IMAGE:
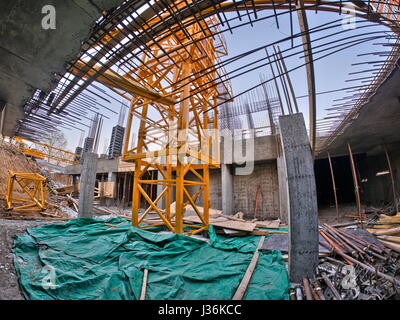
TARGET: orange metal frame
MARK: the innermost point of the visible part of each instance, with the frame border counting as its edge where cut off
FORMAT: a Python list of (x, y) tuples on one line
[(34, 188), (176, 139), (65, 156)]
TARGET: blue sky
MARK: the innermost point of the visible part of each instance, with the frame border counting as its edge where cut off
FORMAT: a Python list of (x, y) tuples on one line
[(330, 72)]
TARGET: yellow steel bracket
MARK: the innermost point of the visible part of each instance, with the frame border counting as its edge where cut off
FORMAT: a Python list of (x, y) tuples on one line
[(26, 191)]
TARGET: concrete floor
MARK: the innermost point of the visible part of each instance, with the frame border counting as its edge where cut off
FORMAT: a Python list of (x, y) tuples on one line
[(9, 288), (328, 214)]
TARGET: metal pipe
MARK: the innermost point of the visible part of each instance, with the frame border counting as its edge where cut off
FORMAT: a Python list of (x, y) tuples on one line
[(332, 288), (292, 294), (392, 180), (318, 290), (288, 80), (333, 186), (361, 241), (339, 241), (356, 186), (307, 289), (334, 246)]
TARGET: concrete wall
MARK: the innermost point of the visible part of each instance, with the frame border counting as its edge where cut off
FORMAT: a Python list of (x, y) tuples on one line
[(283, 188), (215, 189), (265, 148), (376, 190), (245, 189)]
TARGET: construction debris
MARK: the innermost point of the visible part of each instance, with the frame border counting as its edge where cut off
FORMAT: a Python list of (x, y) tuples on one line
[(11, 158), (64, 190), (360, 267)]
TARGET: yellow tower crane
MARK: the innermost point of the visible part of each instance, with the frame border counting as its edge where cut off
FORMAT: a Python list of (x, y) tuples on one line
[(175, 101), (47, 151)]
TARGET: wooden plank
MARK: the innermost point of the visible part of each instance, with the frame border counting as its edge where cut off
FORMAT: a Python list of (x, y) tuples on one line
[(212, 213), (392, 219), (231, 217), (390, 238), (273, 224), (241, 290), (228, 224), (144, 284), (266, 232), (391, 245), (235, 225), (387, 231)]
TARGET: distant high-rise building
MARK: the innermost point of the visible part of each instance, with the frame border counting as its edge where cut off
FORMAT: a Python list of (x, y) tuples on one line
[(87, 147), (117, 135), (117, 140)]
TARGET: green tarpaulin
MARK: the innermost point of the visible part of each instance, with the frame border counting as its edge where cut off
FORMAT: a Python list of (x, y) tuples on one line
[(89, 259)]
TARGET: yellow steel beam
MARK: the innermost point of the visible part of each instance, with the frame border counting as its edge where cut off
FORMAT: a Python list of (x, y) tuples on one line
[(42, 155), (112, 80)]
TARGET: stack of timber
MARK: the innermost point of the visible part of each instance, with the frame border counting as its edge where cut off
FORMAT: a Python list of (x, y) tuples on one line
[(387, 230), (226, 224)]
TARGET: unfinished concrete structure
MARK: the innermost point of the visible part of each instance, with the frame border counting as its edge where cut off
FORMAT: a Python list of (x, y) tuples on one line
[(167, 56)]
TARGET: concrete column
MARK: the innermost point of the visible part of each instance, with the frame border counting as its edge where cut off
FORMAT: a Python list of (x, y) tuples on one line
[(112, 177), (303, 210), (88, 181), (160, 188), (283, 188), (227, 190)]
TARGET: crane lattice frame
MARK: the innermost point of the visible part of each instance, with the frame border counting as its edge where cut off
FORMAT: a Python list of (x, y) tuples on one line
[(34, 187), (176, 139)]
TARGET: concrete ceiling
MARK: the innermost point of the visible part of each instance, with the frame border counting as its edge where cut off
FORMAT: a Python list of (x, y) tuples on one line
[(31, 55), (378, 122)]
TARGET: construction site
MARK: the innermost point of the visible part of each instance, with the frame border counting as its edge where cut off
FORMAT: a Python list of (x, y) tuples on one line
[(199, 150)]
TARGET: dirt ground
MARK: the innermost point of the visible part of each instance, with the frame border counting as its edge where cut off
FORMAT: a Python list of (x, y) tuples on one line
[(329, 215), (9, 288)]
